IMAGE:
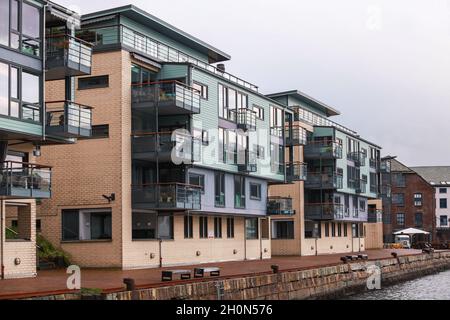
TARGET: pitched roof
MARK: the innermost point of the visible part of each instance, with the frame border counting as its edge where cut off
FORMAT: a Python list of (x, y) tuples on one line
[(436, 175), (397, 166)]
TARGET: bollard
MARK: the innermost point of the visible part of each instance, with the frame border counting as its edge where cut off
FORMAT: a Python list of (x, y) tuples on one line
[(275, 268), (130, 283)]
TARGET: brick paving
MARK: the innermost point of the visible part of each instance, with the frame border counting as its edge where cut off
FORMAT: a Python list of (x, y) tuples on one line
[(54, 281)]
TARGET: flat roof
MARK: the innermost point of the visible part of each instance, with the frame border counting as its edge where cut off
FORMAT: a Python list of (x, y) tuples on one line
[(145, 18), (329, 111)]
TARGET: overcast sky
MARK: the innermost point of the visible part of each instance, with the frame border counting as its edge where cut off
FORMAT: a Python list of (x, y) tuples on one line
[(384, 64)]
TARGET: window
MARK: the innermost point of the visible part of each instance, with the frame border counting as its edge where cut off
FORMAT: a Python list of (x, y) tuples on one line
[(255, 191), (38, 225), (282, 229), (20, 26), (277, 158), (339, 228), (79, 225), (419, 219), (327, 229), (219, 189), (276, 121), (203, 227), (230, 228), (345, 230), (333, 229), (239, 192), (442, 190), (398, 199), (202, 89), (260, 152), (197, 180), (148, 226), (14, 224), (100, 131), (205, 137), (230, 99), (417, 199), (443, 221), (141, 75), (312, 229), (362, 205), (399, 180), (355, 231), (218, 227), (443, 203), (373, 182), (251, 228), (259, 112), (93, 82), (188, 227), (400, 219)]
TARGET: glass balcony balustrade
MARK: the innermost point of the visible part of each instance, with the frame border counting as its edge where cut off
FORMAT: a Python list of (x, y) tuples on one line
[(280, 206), (296, 171), (323, 150), (323, 211), (323, 181), (68, 119), (295, 135), (166, 196), (244, 118)]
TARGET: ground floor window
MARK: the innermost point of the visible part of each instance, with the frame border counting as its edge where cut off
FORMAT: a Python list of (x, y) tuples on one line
[(86, 224), (312, 229), (203, 227), (443, 221), (345, 230), (217, 227), (150, 225), (283, 229), (251, 228), (230, 228), (188, 227)]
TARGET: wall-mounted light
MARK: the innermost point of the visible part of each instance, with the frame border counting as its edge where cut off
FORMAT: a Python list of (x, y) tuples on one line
[(198, 253), (37, 151), (17, 261), (152, 255), (110, 198), (235, 251)]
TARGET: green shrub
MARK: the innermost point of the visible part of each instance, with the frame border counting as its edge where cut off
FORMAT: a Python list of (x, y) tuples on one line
[(48, 252)]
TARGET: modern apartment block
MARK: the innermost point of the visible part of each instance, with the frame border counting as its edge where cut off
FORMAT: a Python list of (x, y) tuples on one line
[(181, 156), (412, 202), (36, 45), (439, 178), (326, 211)]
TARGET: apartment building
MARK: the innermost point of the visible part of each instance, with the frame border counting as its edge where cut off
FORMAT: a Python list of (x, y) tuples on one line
[(412, 203), (439, 178), (326, 210), (31, 52), (181, 156)]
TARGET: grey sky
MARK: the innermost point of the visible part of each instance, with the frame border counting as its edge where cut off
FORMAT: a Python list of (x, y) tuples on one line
[(384, 64)]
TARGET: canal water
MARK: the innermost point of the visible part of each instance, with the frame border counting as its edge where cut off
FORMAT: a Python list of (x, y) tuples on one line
[(433, 287)]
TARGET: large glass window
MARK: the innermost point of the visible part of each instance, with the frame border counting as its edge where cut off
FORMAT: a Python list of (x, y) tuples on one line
[(312, 229), (217, 227), (219, 189), (149, 225), (79, 225), (239, 191), (230, 228), (188, 227), (4, 22), (282, 229), (443, 203), (30, 96), (443, 220), (4, 88), (203, 227), (251, 228)]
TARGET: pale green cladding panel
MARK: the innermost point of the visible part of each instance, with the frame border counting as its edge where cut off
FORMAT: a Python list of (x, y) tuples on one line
[(21, 127)]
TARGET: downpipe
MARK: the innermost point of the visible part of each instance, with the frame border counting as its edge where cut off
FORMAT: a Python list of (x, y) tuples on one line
[(2, 230)]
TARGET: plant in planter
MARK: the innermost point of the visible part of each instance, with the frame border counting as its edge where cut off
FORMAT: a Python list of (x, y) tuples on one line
[(91, 294), (48, 252)]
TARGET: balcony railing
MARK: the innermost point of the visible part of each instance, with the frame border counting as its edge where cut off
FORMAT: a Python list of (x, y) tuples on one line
[(280, 206), (375, 216), (323, 150), (25, 180), (166, 196), (110, 35), (324, 181), (245, 118), (166, 146), (68, 119), (67, 56), (296, 171), (323, 211), (246, 161), (295, 135), (358, 158), (171, 97), (374, 163)]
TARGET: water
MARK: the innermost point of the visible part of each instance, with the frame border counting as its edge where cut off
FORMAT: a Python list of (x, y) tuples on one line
[(434, 287)]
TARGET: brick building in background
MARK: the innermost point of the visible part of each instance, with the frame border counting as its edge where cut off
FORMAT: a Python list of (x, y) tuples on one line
[(412, 203)]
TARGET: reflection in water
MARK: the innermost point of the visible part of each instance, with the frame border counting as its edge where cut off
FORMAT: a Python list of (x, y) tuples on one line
[(432, 287)]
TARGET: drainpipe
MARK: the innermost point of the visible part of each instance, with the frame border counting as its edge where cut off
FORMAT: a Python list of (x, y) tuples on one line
[(160, 253), (245, 240), (2, 266), (260, 240)]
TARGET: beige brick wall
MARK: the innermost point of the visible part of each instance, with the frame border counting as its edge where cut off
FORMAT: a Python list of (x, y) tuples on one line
[(22, 250)]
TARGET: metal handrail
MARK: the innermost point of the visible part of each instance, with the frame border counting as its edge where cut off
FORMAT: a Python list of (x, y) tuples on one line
[(76, 49), (24, 175), (69, 114), (163, 52)]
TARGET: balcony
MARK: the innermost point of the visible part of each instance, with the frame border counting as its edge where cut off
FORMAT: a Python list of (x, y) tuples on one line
[(375, 216), (296, 171), (246, 161), (68, 119), (323, 211), (280, 206), (358, 158), (245, 119), (324, 181), (176, 147), (170, 97), (20, 180), (166, 196), (295, 135), (323, 150), (67, 56)]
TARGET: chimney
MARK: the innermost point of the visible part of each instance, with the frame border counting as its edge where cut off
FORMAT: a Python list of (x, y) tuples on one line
[(221, 67)]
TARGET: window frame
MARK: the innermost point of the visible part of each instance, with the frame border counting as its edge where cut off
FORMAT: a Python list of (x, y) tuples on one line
[(188, 227), (204, 90), (443, 203), (203, 227), (230, 228), (259, 188), (217, 227), (222, 190), (201, 178), (98, 86)]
